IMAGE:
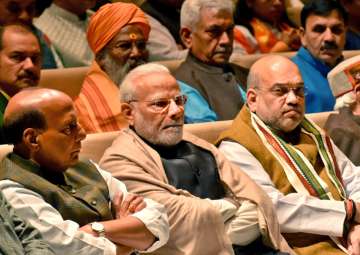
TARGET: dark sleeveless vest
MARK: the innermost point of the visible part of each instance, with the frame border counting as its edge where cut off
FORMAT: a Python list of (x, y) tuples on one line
[(79, 194)]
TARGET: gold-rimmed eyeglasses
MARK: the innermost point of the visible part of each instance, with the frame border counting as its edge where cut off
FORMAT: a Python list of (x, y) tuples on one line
[(161, 105)]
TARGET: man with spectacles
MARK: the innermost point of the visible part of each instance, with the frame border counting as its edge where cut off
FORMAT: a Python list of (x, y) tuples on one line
[(314, 187), (201, 191)]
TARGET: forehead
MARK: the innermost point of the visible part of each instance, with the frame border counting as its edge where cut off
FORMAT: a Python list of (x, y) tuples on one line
[(20, 41), (156, 85), (282, 73), (333, 19), (211, 17), (58, 110), (125, 32)]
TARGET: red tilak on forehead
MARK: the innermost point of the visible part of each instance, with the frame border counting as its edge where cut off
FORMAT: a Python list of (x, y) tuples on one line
[(133, 36)]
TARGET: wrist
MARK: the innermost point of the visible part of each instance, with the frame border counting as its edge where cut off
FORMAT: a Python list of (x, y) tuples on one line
[(98, 228)]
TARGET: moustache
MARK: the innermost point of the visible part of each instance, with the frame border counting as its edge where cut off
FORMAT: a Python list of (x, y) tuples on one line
[(329, 46), (132, 63), (28, 75)]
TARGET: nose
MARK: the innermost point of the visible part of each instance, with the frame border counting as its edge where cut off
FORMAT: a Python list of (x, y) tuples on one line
[(135, 51), (25, 17), (81, 135), (277, 2), (225, 38), (28, 63), (292, 98), (175, 110), (328, 35)]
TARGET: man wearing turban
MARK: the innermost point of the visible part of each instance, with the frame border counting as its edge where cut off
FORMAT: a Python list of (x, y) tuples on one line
[(117, 34)]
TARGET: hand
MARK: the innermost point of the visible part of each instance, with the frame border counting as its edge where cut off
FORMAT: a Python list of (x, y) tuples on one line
[(353, 240), (87, 228), (131, 204), (291, 37)]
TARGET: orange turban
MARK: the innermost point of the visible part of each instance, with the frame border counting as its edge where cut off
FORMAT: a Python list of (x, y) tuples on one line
[(110, 19)]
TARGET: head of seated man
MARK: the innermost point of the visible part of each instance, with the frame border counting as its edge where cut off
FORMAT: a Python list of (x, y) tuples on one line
[(43, 127), (323, 30), (154, 105), (17, 11), (276, 93), (20, 59), (207, 30), (117, 34)]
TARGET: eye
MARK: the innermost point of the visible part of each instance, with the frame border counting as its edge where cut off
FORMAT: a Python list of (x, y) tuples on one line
[(18, 57), (338, 30), (141, 45), (160, 104), (14, 8), (69, 129), (123, 46), (319, 29), (279, 91)]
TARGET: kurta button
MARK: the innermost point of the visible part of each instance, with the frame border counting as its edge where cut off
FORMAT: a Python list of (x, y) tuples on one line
[(73, 191), (93, 202)]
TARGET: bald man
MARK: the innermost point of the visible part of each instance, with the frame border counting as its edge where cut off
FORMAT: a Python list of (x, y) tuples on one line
[(65, 198), (117, 35), (314, 187)]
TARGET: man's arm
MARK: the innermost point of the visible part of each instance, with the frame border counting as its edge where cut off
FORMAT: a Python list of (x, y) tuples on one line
[(293, 208), (30, 238), (63, 236), (140, 229), (193, 221)]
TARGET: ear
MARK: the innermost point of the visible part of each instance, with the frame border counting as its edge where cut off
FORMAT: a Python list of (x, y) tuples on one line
[(251, 99), (186, 37), (127, 111), (357, 92), (302, 36), (30, 139)]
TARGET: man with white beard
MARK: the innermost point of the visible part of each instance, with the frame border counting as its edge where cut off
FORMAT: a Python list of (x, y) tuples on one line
[(117, 34)]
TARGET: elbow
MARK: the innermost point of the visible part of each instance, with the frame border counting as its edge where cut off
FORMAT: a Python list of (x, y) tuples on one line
[(148, 240)]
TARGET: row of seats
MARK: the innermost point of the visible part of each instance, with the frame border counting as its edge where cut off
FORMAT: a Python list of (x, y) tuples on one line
[(69, 80), (95, 144)]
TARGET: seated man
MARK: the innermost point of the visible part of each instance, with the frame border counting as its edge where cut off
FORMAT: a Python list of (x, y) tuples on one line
[(344, 127), (311, 183), (20, 62), (23, 11), (207, 30), (17, 236), (117, 35), (198, 187), (65, 23), (68, 200), (323, 37)]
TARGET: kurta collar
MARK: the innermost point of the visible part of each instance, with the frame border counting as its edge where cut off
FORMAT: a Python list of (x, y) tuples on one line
[(348, 112), (30, 166), (208, 68), (317, 64)]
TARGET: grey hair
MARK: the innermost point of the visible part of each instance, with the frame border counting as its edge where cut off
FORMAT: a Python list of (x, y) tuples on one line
[(345, 100), (190, 10), (127, 88)]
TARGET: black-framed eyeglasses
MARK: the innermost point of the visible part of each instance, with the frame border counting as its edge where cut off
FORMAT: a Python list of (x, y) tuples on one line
[(283, 90), (161, 105)]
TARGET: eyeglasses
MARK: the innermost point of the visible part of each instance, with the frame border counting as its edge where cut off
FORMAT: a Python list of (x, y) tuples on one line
[(161, 105), (283, 90)]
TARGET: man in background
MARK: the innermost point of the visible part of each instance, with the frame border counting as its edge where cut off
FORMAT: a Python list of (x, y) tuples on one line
[(117, 35)]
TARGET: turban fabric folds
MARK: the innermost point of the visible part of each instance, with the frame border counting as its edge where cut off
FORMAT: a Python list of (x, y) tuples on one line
[(106, 23)]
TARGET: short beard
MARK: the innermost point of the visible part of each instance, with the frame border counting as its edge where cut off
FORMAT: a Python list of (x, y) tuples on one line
[(115, 71)]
